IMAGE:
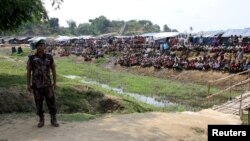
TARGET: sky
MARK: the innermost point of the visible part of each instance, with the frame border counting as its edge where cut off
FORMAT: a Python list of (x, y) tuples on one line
[(201, 15)]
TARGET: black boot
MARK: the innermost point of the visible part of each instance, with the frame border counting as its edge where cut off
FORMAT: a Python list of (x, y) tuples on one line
[(54, 121), (41, 122)]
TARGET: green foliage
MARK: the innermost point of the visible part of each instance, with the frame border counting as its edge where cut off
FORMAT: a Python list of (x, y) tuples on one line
[(54, 23), (76, 117), (24, 17), (71, 96), (97, 26), (174, 30), (70, 100), (84, 29), (65, 66), (188, 94), (115, 26), (144, 25), (11, 101), (56, 3), (166, 28), (13, 73), (14, 13), (244, 119), (72, 26)]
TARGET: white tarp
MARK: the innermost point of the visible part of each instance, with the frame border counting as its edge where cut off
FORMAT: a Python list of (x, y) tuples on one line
[(162, 35), (247, 33), (62, 38), (85, 37), (237, 32), (122, 37), (148, 34), (35, 39), (209, 33)]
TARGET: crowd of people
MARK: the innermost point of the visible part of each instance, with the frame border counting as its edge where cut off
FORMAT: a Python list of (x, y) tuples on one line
[(177, 53)]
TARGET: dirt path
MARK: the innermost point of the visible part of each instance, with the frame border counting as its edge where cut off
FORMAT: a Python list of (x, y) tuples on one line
[(155, 126)]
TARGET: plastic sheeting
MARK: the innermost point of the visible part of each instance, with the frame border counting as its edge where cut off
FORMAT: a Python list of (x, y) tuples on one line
[(85, 37), (237, 32), (62, 38), (209, 33), (35, 39), (161, 35), (148, 34)]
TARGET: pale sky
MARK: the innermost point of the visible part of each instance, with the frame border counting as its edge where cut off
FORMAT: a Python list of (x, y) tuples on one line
[(202, 15)]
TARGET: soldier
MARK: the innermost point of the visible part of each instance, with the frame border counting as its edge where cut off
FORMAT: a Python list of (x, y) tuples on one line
[(39, 82)]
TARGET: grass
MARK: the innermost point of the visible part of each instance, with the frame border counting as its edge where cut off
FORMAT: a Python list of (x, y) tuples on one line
[(140, 84), (71, 96), (130, 104), (76, 117), (12, 73), (244, 119), (189, 94), (81, 105)]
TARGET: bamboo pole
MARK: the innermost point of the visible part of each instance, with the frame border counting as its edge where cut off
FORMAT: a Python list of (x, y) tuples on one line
[(249, 81), (230, 76), (208, 90), (238, 84), (240, 110), (230, 83)]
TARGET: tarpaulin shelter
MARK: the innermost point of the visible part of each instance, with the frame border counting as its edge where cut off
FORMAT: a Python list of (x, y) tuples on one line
[(243, 32)]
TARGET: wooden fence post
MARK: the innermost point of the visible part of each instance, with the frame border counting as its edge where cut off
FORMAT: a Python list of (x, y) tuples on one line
[(240, 109), (249, 81), (230, 81), (208, 90)]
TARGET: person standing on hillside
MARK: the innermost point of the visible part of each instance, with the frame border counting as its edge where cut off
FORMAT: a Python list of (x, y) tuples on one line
[(39, 82)]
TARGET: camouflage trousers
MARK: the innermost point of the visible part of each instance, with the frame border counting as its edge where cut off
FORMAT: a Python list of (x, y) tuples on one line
[(47, 94)]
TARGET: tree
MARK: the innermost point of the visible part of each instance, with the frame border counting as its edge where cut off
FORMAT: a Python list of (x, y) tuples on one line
[(133, 25), (100, 25), (72, 26), (115, 26), (156, 28), (174, 30), (145, 23), (84, 29), (56, 3), (14, 13), (54, 23), (166, 28)]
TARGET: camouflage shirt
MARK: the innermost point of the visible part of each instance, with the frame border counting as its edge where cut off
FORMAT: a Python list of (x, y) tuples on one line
[(40, 68)]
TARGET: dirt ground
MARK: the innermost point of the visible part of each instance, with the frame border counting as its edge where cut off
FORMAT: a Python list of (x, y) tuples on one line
[(154, 126)]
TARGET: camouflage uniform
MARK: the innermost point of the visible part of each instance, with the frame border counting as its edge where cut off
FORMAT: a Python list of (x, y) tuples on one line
[(41, 82)]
